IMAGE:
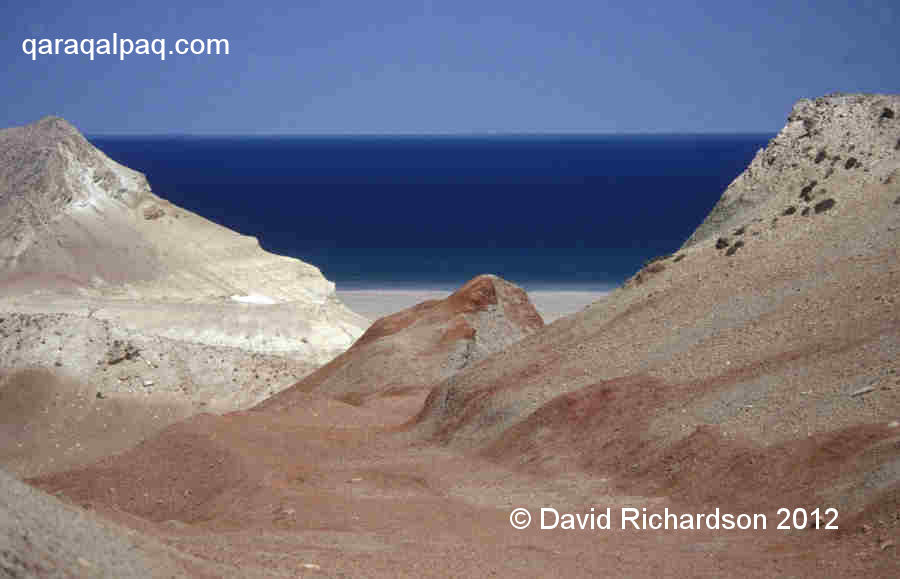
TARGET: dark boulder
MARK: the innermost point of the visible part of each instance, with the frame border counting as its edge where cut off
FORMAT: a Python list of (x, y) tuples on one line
[(824, 205), (733, 249)]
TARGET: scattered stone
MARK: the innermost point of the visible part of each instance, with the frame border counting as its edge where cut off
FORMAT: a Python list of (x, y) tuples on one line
[(805, 211), (148, 382), (790, 210), (886, 114), (806, 192), (861, 391), (740, 230), (817, 135), (722, 243), (733, 249), (823, 206), (897, 201), (851, 162), (100, 396), (153, 212), (120, 351)]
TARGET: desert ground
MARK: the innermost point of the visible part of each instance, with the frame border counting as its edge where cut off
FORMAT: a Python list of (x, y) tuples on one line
[(753, 371)]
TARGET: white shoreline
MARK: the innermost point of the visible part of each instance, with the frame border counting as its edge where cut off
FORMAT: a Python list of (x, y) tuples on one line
[(376, 303)]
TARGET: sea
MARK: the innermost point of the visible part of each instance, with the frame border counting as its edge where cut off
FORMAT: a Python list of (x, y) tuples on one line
[(548, 212)]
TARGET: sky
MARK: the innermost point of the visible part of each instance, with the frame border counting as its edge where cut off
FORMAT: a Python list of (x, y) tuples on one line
[(437, 67)]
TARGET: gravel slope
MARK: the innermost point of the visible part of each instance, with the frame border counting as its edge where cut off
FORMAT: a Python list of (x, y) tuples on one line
[(746, 373)]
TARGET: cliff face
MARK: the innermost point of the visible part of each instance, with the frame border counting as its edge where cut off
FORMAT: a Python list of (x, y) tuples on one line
[(72, 218), (117, 294), (835, 141), (73, 221), (49, 174)]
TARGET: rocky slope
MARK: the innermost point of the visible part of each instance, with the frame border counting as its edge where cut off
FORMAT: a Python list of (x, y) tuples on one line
[(412, 349), (42, 537), (122, 298), (71, 216), (840, 142), (753, 370), (772, 337)]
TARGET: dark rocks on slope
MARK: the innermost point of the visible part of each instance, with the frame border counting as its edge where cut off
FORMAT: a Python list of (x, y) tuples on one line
[(733, 249), (824, 205), (832, 127), (806, 192)]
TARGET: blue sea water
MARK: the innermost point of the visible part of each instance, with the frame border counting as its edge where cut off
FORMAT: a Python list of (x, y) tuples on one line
[(548, 211)]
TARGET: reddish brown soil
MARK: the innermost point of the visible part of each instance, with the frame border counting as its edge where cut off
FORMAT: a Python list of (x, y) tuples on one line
[(307, 485), (264, 492), (418, 346), (603, 429), (743, 382)]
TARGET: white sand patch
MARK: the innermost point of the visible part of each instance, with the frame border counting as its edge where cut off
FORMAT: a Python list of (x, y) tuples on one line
[(552, 304), (376, 303), (254, 299)]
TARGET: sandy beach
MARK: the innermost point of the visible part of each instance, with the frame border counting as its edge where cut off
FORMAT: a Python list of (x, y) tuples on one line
[(375, 303)]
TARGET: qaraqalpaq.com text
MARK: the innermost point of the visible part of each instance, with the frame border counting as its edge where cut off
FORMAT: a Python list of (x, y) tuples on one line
[(122, 47)]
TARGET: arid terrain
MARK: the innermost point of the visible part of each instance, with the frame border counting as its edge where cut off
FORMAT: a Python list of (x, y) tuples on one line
[(753, 370)]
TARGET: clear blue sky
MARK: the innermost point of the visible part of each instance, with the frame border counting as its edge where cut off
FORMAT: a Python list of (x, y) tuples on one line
[(459, 66)]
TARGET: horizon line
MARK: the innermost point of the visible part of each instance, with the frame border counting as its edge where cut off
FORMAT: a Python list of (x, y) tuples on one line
[(498, 134)]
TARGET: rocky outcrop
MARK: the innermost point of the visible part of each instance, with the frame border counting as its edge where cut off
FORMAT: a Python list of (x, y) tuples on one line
[(771, 340), (137, 312), (743, 375), (74, 222), (426, 343), (846, 141), (72, 217)]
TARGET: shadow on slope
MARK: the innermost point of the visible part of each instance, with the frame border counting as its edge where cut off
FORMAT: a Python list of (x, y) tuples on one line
[(49, 422)]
